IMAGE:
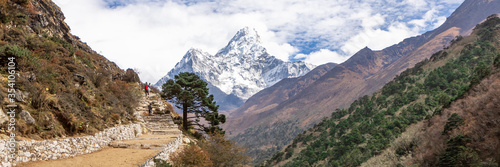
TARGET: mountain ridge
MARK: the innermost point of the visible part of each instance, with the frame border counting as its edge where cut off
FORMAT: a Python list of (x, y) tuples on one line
[(349, 80), (240, 69), (419, 101)]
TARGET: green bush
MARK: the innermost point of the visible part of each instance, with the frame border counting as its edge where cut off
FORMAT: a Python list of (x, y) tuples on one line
[(161, 163), (21, 19), (481, 71), (454, 121), (16, 51), (497, 61), (22, 2), (24, 57), (458, 154)]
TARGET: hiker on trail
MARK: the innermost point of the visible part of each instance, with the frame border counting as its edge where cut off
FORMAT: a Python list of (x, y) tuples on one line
[(146, 89), (150, 108), (149, 88)]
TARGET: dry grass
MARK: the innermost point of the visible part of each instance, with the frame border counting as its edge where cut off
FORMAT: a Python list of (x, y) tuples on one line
[(191, 156), (407, 141), (480, 110), (70, 89)]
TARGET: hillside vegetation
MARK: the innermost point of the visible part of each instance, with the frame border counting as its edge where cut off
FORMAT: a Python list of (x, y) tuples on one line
[(66, 88), (423, 93), (264, 128)]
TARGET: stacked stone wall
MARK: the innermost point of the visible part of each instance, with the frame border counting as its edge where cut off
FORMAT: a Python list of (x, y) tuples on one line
[(31, 150), (165, 153)]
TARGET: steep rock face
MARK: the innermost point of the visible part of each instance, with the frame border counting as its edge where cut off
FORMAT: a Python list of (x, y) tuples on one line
[(47, 18), (364, 73), (63, 87), (239, 70)]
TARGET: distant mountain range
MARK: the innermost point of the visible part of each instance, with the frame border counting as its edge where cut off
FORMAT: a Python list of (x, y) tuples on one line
[(444, 111), (269, 120), (239, 70)]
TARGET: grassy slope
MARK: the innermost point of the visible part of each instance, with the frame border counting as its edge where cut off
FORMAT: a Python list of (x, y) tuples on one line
[(369, 126), (66, 87)]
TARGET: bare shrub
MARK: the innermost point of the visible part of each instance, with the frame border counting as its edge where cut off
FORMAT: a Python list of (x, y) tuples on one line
[(480, 110), (170, 108), (191, 156), (223, 152), (126, 94), (36, 95), (131, 76)]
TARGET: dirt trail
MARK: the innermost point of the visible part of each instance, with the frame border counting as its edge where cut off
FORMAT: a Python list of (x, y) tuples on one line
[(160, 130), (119, 157)]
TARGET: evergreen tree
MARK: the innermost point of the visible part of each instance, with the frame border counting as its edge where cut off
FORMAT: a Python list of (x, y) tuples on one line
[(190, 93)]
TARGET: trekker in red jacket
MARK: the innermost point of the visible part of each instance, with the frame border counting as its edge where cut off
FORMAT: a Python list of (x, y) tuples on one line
[(146, 89)]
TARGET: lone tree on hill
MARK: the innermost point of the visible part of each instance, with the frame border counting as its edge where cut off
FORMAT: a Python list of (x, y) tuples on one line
[(189, 92)]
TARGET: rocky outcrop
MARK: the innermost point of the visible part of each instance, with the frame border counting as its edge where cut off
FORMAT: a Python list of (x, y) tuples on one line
[(49, 19), (26, 117)]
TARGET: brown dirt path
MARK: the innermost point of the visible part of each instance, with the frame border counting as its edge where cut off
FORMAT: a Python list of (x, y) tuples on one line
[(109, 157), (127, 153)]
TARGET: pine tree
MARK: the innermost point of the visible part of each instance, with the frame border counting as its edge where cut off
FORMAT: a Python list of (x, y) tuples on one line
[(190, 93)]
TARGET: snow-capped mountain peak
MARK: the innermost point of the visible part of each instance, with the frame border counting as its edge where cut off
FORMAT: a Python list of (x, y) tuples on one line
[(246, 35), (246, 44), (240, 69)]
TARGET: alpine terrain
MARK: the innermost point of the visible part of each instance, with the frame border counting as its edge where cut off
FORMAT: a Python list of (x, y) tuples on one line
[(267, 127), (442, 112), (239, 70)]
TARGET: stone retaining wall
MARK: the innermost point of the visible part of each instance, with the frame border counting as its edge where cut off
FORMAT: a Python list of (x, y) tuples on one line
[(165, 154), (68, 147)]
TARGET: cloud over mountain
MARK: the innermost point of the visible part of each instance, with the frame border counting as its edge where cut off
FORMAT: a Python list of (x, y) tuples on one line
[(152, 35)]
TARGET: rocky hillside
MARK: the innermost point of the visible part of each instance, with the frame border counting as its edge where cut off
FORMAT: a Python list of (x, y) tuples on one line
[(450, 114), (239, 70), (365, 72), (63, 87)]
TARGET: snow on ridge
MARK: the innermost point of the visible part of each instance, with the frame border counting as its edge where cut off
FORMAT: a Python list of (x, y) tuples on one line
[(242, 68)]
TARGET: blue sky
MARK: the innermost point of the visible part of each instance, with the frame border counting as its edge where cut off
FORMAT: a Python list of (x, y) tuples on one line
[(153, 35)]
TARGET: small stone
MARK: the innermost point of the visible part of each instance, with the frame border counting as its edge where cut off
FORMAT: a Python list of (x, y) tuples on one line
[(26, 116), (3, 117), (186, 141)]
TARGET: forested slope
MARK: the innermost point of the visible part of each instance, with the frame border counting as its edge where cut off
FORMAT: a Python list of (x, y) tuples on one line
[(363, 73), (353, 135)]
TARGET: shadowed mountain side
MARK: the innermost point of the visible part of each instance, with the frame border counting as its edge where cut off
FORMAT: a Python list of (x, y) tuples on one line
[(281, 91), (226, 102), (364, 73)]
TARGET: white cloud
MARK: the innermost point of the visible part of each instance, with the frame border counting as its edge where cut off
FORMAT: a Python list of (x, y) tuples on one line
[(417, 4), (322, 56), (377, 39), (153, 35)]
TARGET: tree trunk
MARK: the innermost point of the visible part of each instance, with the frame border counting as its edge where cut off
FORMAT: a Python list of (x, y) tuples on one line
[(184, 117)]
